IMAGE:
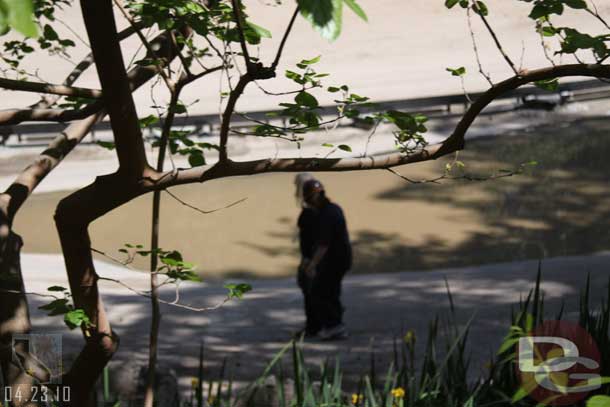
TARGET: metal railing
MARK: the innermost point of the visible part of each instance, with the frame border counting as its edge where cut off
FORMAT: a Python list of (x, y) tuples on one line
[(31, 134)]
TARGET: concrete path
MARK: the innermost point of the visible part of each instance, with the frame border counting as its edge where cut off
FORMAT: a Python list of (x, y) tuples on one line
[(379, 308)]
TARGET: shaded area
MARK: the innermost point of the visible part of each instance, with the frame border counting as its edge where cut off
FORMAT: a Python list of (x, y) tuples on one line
[(380, 308), (559, 207)]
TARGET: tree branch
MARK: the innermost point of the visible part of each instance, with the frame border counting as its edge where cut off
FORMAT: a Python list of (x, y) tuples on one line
[(240, 30), (453, 143), (39, 87), (101, 29), (228, 112), (280, 49), (477, 10), (16, 116)]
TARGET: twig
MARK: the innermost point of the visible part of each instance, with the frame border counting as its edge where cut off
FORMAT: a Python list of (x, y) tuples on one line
[(2, 290), (201, 210), (370, 136), (240, 29), (476, 49), (477, 10), (466, 177), (171, 303), (144, 41), (595, 13), (280, 49), (126, 263)]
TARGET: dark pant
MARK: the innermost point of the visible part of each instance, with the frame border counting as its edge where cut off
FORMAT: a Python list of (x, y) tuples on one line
[(312, 324), (325, 296)]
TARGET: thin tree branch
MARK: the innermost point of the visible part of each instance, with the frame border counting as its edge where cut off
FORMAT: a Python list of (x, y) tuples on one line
[(280, 49), (240, 29), (201, 210), (477, 10), (228, 112), (168, 82), (453, 143), (476, 49), (39, 87), (170, 303)]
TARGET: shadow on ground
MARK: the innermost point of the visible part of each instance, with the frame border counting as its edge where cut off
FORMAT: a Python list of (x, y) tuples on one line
[(380, 309)]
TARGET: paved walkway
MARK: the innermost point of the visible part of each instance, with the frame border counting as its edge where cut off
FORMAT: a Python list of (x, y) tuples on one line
[(379, 308)]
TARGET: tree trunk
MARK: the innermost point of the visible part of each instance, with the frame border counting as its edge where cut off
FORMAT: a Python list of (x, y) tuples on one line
[(73, 216), (14, 319)]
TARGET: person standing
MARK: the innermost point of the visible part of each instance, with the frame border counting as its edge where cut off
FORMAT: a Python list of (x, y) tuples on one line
[(306, 225), (331, 259)]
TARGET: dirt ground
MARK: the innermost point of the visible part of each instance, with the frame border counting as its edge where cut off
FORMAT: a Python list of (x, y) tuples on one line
[(558, 207)]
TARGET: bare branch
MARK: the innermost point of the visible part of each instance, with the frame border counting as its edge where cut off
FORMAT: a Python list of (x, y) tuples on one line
[(240, 29), (201, 210), (477, 10), (171, 303), (280, 49), (39, 87), (476, 49)]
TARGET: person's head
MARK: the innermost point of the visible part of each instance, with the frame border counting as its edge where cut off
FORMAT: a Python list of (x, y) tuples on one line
[(314, 194), (300, 180)]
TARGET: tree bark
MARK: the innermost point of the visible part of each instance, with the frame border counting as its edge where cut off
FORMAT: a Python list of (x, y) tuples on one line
[(14, 318)]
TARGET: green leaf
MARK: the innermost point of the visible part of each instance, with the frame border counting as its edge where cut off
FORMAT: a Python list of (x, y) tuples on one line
[(461, 71), (57, 288), (306, 99), (21, 16), (578, 4), (237, 290), (345, 147), (109, 145), (76, 318), (148, 120), (549, 84), (599, 401), (262, 32), (451, 3), (356, 9), (333, 89), (325, 16), (310, 61), (481, 8), (196, 158), (56, 307), (547, 31), (328, 145), (520, 394)]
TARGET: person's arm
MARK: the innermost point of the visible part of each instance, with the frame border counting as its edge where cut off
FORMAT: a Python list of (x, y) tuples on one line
[(318, 255)]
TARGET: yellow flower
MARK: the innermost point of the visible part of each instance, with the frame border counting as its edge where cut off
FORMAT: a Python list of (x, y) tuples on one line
[(410, 337), (356, 399), (195, 382), (398, 393)]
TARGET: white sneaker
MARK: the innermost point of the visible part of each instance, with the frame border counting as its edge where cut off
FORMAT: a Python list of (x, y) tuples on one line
[(334, 333)]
